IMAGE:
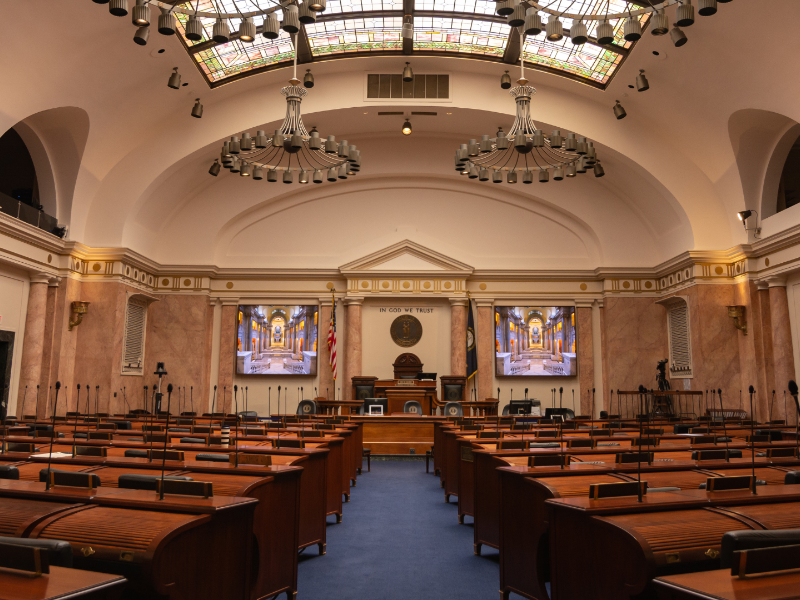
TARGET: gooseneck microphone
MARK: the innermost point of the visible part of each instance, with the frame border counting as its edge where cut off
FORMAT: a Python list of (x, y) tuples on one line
[(36, 416), (236, 424), (78, 412), (166, 439), (752, 391), (50, 455), (213, 400), (794, 391), (724, 428)]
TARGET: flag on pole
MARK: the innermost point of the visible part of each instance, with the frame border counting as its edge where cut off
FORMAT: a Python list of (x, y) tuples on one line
[(472, 352), (332, 339)]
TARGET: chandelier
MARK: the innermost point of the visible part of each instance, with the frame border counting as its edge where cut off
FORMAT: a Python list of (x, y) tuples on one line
[(526, 149), (291, 149)]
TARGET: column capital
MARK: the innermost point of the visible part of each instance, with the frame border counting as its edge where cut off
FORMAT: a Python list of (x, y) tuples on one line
[(484, 302), (458, 301), (54, 282), (41, 278), (776, 281), (354, 300), (584, 303), (229, 301), (325, 301)]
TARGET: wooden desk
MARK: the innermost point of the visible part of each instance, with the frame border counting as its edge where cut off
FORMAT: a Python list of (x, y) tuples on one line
[(61, 584), (720, 585), (398, 394), (331, 407), (397, 435)]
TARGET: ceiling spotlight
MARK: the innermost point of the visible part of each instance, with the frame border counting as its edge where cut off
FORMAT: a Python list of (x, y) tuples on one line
[(118, 8), (317, 5), (684, 16), (215, 168), (619, 112), (578, 33), (100, 1), (166, 23), (221, 33), (678, 37), (407, 127), (744, 215), (291, 21), (303, 177), (271, 28), (554, 30), (517, 17), (544, 175), (505, 8), (408, 28), (194, 29), (659, 25), (505, 81), (408, 74), (632, 29), (306, 14), (247, 29), (141, 14), (197, 111), (308, 80), (533, 22), (174, 79), (642, 85), (605, 33), (599, 171), (141, 36), (706, 8)]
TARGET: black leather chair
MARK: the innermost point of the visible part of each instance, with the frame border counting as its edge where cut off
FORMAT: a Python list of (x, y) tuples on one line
[(407, 376), (505, 409), (213, 457), (453, 392), (453, 409), (145, 482), (247, 413), (792, 477), (135, 453), (412, 407), (9, 472), (362, 392), (59, 553), (307, 407), (750, 540)]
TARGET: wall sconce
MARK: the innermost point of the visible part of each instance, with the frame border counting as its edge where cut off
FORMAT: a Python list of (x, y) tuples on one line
[(737, 313), (79, 308)]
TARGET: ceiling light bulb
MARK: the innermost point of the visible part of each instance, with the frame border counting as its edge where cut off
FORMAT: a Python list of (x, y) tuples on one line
[(247, 30), (194, 29), (558, 173), (141, 36), (533, 22), (408, 74), (258, 172), (306, 15), (272, 175), (407, 127), (215, 168), (197, 111), (308, 81), (642, 85), (221, 33), (578, 33), (317, 5), (678, 37), (570, 171), (118, 8), (511, 177), (291, 21), (141, 14), (632, 30), (659, 25), (271, 28), (174, 79), (332, 174), (544, 175), (166, 23), (744, 215), (303, 177), (517, 17), (619, 111), (287, 176), (684, 17), (605, 33), (554, 30), (245, 170), (706, 8), (505, 8), (527, 176), (317, 176)]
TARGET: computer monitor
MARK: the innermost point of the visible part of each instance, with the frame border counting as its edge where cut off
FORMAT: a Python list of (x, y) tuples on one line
[(370, 402), (520, 407), (564, 413), (427, 376)]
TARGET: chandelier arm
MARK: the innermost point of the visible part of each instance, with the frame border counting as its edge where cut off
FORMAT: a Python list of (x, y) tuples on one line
[(508, 158), (602, 17), (324, 161), (172, 8), (562, 159)]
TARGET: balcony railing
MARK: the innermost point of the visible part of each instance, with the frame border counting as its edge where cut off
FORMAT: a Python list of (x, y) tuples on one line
[(31, 215)]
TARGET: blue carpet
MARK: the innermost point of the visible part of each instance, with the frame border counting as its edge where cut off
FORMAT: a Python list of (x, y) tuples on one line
[(399, 540)]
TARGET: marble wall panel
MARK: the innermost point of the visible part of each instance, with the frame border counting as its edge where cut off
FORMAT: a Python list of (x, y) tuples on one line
[(583, 321), (227, 358), (486, 337)]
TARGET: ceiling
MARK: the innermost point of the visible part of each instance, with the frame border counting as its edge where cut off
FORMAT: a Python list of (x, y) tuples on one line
[(128, 166)]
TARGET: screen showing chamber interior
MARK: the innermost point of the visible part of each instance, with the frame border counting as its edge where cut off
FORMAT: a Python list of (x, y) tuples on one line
[(535, 341), (277, 340)]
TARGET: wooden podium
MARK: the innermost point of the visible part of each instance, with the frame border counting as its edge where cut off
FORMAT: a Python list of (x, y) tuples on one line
[(400, 391)]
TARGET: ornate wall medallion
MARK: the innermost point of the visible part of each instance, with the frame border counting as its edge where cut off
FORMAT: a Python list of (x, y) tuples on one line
[(406, 331)]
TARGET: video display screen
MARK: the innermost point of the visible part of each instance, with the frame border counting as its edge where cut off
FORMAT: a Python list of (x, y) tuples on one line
[(277, 340), (535, 341)]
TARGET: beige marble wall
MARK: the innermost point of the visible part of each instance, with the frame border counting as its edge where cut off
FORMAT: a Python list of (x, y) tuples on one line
[(781, 344), (583, 325), (486, 336), (755, 348), (65, 342), (34, 339), (458, 336), (227, 358)]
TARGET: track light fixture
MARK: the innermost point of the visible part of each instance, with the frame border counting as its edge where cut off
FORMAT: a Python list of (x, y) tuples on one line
[(197, 111), (619, 111), (642, 85), (599, 171), (215, 168), (194, 29), (578, 33), (141, 36), (308, 80), (317, 5), (406, 128), (684, 16), (166, 22), (746, 214), (306, 14), (505, 81), (678, 37), (632, 30), (605, 33), (408, 74), (659, 25), (247, 29), (271, 28), (707, 8), (554, 31), (533, 22), (407, 32), (141, 14), (221, 32), (174, 79), (291, 21), (118, 8)]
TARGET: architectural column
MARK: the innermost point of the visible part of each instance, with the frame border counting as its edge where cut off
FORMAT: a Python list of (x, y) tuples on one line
[(458, 336), (781, 340), (326, 381), (33, 341), (227, 355), (352, 354), (583, 326), (47, 353), (485, 340)]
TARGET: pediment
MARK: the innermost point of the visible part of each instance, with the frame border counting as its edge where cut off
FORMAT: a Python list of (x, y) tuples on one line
[(406, 258)]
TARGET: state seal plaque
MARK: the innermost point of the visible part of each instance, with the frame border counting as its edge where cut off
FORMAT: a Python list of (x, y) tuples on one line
[(406, 331)]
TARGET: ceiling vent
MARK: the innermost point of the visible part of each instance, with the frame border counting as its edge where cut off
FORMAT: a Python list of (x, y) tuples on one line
[(422, 87)]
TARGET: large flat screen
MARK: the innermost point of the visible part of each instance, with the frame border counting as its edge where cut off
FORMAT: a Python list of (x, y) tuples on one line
[(276, 340), (535, 341)]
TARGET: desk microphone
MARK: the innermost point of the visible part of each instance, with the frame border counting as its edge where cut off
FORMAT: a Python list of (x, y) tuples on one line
[(191, 399), (144, 399), (36, 416), (213, 400), (166, 438), (526, 393), (592, 406), (75, 427), (573, 401), (25, 395), (279, 401), (794, 391), (269, 403), (560, 397), (50, 456), (97, 407), (236, 424), (752, 391), (724, 428), (771, 406), (498, 394)]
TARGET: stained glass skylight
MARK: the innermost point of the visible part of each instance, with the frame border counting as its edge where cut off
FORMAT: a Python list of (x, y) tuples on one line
[(440, 26)]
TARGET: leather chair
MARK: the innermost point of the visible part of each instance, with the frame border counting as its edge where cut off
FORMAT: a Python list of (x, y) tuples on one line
[(407, 377), (792, 477), (362, 392), (750, 540), (9, 472), (307, 407), (452, 392), (145, 482), (413, 407), (453, 409), (135, 453), (505, 410), (208, 457), (59, 554), (248, 413)]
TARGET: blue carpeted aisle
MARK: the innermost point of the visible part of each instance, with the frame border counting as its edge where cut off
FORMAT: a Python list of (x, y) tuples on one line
[(398, 540)]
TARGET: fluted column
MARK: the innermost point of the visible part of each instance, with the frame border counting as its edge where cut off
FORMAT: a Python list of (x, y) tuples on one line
[(458, 336), (352, 356), (781, 339), (33, 341)]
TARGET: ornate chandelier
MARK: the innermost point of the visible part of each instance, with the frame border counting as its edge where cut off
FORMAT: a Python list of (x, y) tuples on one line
[(290, 149), (527, 149)]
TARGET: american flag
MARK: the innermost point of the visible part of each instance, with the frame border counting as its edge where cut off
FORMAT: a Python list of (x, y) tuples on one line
[(332, 340)]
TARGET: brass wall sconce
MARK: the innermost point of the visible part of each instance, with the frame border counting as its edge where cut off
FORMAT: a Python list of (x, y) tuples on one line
[(737, 313), (79, 308)]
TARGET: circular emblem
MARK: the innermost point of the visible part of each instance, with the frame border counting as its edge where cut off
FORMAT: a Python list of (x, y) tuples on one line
[(452, 411), (470, 339), (306, 408), (406, 331)]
